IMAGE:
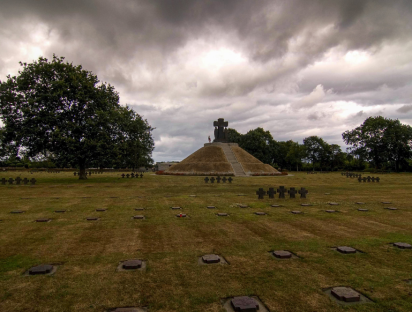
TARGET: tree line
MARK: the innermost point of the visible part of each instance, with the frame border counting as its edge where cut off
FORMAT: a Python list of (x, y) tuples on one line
[(377, 144)]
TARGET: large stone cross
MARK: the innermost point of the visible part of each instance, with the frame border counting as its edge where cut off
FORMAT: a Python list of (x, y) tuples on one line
[(220, 130)]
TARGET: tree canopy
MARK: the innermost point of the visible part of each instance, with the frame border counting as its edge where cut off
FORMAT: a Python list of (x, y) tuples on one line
[(381, 141), (54, 108)]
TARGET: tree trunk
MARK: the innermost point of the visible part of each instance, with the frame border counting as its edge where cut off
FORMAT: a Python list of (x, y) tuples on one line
[(82, 173)]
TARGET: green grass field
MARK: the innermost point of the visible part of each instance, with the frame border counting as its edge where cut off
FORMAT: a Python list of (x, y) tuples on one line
[(88, 252)]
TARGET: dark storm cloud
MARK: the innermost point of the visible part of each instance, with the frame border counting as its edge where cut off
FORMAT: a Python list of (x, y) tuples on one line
[(279, 64)]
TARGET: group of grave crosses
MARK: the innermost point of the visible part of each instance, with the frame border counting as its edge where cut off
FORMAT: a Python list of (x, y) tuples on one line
[(218, 179), (132, 175), (282, 191), (88, 173), (18, 181)]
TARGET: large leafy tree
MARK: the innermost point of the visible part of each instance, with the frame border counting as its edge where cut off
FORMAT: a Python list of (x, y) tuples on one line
[(59, 110), (381, 141), (316, 150)]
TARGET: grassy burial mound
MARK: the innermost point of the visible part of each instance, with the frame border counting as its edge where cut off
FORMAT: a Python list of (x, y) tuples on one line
[(207, 160), (251, 165)]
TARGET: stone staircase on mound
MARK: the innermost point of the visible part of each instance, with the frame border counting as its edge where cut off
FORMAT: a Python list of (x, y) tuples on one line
[(237, 167)]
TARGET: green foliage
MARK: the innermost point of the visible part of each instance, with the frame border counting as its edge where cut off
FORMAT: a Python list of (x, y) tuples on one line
[(383, 141), (62, 112)]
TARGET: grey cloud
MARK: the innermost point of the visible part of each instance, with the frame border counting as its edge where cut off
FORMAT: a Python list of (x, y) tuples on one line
[(405, 109)]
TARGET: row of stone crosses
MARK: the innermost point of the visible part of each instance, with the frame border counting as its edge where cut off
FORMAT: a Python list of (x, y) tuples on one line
[(132, 175), (359, 176), (282, 191), (89, 173), (18, 181), (218, 179)]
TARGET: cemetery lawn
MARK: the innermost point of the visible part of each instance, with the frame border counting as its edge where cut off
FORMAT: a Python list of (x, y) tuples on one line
[(88, 252)]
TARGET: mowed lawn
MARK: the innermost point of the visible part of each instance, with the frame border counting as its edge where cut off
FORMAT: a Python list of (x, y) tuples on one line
[(88, 252)]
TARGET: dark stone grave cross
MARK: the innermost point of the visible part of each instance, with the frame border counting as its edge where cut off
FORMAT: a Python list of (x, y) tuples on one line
[(360, 179), (373, 179), (33, 181), (3, 181), (364, 179), (292, 192), (132, 175), (212, 180), (75, 173), (206, 179), (224, 180), (230, 179), (141, 175), (18, 179), (220, 130), (303, 192), (281, 191), (260, 193), (377, 179), (25, 181), (218, 179), (123, 175), (271, 192), (369, 178), (127, 175), (11, 181)]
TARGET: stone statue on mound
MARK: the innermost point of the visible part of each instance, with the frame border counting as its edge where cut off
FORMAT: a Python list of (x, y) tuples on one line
[(221, 132)]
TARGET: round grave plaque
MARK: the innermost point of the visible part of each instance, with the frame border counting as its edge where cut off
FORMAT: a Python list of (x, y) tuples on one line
[(132, 264), (41, 269), (260, 213), (212, 258), (244, 303), (402, 245), (345, 294), (346, 250), (282, 254)]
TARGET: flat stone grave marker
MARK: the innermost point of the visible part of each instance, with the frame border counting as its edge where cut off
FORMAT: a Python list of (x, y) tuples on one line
[(222, 214), (333, 204), (260, 213), (275, 205), (176, 208), (42, 269), (281, 191), (244, 304), (17, 211), (360, 203), (362, 209), (327, 193), (131, 264), (43, 220), (402, 245), (243, 206), (212, 180), (282, 254), (345, 294), (391, 208), (306, 205), (139, 217), (60, 211), (386, 202), (181, 215), (330, 211), (296, 212), (101, 209), (92, 218), (260, 193), (346, 249), (292, 192), (271, 192), (212, 258), (138, 209), (210, 207), (206, 179), (192, 195)]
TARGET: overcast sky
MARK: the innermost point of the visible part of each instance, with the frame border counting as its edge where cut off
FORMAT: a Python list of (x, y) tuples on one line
[(294, 67)]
